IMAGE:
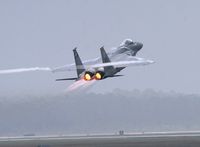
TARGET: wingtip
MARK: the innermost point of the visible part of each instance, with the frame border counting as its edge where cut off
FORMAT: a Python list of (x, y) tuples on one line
[(75, 49), (151, 61), (102, 48)]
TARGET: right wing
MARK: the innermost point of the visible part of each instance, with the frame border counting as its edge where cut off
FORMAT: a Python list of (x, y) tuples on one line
[(134, 62)]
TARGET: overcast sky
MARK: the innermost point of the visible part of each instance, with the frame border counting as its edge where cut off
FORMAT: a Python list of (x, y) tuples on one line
[(44, 32)]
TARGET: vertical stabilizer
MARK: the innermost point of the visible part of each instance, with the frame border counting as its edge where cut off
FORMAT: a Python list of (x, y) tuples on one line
[(106, 59), (104, 56), (79, 65)]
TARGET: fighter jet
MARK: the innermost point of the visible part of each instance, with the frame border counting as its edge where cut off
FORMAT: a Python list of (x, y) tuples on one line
[(108, 65), (105, 66)]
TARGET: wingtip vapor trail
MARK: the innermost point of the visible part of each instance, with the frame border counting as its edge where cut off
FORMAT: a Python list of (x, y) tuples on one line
[(20, 70)]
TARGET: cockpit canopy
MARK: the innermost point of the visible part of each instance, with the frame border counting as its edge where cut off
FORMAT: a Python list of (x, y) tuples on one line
[(126, 42)]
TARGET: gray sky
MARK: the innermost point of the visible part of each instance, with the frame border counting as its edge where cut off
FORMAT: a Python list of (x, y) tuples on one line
[(43, 33)]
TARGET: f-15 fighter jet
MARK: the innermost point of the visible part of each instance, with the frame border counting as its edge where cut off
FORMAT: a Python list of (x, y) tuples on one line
[(108, 65)]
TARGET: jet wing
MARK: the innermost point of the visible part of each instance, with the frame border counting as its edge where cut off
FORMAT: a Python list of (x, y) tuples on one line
[(70, 67), (133, 61), (121, 64)]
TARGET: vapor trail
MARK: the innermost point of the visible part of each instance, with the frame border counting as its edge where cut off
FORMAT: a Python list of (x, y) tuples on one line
[(19, 70)]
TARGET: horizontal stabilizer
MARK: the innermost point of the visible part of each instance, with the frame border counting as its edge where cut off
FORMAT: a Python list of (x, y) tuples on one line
[(66, 79), (117, 75)]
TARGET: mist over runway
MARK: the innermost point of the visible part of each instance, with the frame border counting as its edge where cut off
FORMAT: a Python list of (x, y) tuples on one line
[(87, 113)]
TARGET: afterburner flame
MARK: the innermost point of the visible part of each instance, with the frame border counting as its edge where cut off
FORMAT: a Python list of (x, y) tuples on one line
[(98, 76), (87, 77)]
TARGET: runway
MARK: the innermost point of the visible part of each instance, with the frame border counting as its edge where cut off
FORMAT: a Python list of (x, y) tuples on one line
[(164, 139)]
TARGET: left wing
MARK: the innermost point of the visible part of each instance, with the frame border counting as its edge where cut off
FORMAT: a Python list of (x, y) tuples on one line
[(119, 64), (70, 67)]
